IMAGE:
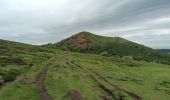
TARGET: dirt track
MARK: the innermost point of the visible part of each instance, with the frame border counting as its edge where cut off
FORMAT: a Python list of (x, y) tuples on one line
[(41, 86)]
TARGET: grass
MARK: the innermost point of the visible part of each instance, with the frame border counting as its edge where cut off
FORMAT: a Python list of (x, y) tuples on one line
[(148, 80), (24, 86), (93, 77), (19, 66), (110, 46), (62, 78), (77, 71), (19, 91)]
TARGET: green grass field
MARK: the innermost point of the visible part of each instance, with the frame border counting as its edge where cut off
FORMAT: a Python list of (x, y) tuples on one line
[(93, 77), (85, 73), (78, 76)]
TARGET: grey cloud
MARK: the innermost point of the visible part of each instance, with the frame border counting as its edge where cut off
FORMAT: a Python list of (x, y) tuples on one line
[(43, 21)]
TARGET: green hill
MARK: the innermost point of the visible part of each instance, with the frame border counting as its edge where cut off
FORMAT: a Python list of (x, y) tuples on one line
[(15, 53), (16, 57), (90, 77), (29, 72), (86, 42)]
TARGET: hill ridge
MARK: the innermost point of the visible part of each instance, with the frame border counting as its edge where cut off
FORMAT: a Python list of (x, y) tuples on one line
[(86, 42)]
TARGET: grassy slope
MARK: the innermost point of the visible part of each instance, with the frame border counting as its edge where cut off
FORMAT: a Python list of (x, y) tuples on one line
[(151, 81), (113, 46), (165, 50), (85, 73), (24, 61)]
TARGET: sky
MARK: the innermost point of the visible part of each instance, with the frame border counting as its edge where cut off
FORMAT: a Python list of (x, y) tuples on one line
[(47, 21)]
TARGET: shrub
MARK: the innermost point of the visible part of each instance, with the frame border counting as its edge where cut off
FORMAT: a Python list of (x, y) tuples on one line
[(128, 57), (1, 80)]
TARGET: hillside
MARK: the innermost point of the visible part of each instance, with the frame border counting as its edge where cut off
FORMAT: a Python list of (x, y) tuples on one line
[(78, 76), (18, 57), (86, 42), (38, 73), (164, 50)]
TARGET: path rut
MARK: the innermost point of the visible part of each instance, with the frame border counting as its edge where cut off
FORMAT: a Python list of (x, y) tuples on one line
[(41, 86), (131, 94)]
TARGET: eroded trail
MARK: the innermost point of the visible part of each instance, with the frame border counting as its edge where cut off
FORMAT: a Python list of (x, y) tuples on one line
[(131, 94), (111, 91), (41, 86)]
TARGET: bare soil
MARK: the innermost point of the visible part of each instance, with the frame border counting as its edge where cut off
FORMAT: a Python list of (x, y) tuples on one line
[(75, 95), (41, 86), (80, 41)]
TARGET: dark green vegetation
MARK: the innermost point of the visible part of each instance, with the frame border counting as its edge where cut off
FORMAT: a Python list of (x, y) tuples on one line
[(164, 50), (25, 70), (17, 56), (17, 59), (86, 42)]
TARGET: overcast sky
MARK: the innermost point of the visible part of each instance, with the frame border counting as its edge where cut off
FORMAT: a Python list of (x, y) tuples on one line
[(43, 21)]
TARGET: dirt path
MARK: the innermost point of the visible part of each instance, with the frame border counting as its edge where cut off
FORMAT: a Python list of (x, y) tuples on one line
[(41, 86)]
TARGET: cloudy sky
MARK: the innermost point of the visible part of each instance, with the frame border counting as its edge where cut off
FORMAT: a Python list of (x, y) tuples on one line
[(43, 21)]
